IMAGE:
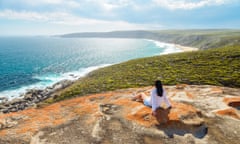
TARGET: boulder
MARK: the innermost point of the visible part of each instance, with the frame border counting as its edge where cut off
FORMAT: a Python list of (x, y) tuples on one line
[(3, 100), (2, 106)]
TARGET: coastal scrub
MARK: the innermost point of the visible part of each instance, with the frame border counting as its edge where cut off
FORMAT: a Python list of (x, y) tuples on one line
[(219, 66)]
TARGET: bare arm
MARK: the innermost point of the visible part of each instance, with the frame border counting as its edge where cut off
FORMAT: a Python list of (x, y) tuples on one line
[(166, 99)]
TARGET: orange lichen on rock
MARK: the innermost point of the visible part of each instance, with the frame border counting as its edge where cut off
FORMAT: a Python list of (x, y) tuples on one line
[(7, 115), (189, 95), (87, 109), (216, 90), (25, 130), (179, 110), (3, 132), (52, 115), (142, 114), (233, 102), (229, 100), (125, 101), (91, 108), (229, 112)]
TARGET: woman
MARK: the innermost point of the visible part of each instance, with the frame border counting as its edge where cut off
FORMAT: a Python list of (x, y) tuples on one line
[(158, 95)]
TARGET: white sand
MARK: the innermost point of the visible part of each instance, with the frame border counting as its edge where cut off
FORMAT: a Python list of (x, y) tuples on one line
[(185, 48)]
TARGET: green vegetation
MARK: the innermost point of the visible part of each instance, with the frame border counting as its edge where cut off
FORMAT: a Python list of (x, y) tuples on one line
[(219, 66), (202, 38)]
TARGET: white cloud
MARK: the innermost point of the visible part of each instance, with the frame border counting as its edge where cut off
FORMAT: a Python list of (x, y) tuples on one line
[(106, 5), (23, 15), (188, 4), (66, 19), (69, 3), (109, 5)]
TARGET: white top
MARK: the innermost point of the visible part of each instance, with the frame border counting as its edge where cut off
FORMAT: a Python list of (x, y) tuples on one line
[(156, 100)]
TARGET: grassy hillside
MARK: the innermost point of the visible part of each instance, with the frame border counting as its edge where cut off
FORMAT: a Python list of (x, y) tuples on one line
[(203, 39), (219, 66)]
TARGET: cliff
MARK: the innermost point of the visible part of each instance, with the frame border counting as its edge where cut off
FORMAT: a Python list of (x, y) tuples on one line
[(200, 114)]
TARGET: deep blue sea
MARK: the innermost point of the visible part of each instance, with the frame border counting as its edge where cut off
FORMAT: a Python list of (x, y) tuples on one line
[(38, 62)]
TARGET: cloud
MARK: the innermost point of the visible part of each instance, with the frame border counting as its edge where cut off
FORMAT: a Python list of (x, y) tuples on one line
[(66, 3), (188, 4), (111, 5), (108, 5), (67, 19), (23, 15)]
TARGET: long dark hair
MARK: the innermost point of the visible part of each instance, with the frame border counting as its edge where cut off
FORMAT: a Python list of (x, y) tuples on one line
[(158, 85)]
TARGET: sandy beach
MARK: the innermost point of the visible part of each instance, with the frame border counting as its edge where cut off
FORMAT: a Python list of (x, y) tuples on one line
[(185, 48)]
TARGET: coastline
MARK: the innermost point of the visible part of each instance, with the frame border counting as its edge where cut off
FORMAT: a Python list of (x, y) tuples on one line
[(172, 47), (33, 96), (71, 76), (186, 48), (74, 75)]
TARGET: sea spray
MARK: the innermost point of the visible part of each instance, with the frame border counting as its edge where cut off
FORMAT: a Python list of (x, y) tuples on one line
[(168, 47), (49, 80)]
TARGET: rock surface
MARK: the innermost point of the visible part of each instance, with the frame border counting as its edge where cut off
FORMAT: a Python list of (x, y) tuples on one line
[(200, 115)]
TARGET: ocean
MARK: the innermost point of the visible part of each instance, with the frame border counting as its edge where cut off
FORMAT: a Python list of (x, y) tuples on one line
[(38, 62)]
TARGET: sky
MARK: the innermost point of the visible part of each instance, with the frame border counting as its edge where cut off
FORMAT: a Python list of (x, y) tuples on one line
[(50, 17)]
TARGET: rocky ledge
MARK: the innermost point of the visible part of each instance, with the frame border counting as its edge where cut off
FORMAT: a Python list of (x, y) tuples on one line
[(200, 115)]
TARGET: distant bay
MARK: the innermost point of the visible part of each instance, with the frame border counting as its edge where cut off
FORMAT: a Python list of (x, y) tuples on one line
[(38, 62)]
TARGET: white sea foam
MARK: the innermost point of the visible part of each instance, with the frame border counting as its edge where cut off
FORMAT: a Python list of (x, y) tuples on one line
[(49, 80), (168, 47)]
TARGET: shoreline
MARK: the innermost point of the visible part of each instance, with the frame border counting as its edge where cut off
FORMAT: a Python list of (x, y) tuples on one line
[(35, 95), (71, 76), (31, 97), (20, 92), (186, 48), (176, 46)]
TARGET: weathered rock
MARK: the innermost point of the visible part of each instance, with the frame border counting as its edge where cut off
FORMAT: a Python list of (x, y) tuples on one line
[(7, 123), (13, 109), (2, 98), (57, 87), (6, 110), (62, 84), (28, 96), (113, 117), (31, 91), (21, 107), (233, 102), (31, 97), (2, 106), (16, 101)]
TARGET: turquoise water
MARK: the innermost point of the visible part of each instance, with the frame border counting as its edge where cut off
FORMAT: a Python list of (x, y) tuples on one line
[(37, 62)]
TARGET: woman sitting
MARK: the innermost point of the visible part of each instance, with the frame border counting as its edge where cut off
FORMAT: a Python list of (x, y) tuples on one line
[(157, 96)]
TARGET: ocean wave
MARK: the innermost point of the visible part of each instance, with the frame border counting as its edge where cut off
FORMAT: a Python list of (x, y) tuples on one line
[(49, 80), (45, 80), (168, 47)]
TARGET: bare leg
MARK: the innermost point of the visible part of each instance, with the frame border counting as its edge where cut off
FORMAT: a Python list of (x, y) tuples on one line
[(140, 97)]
